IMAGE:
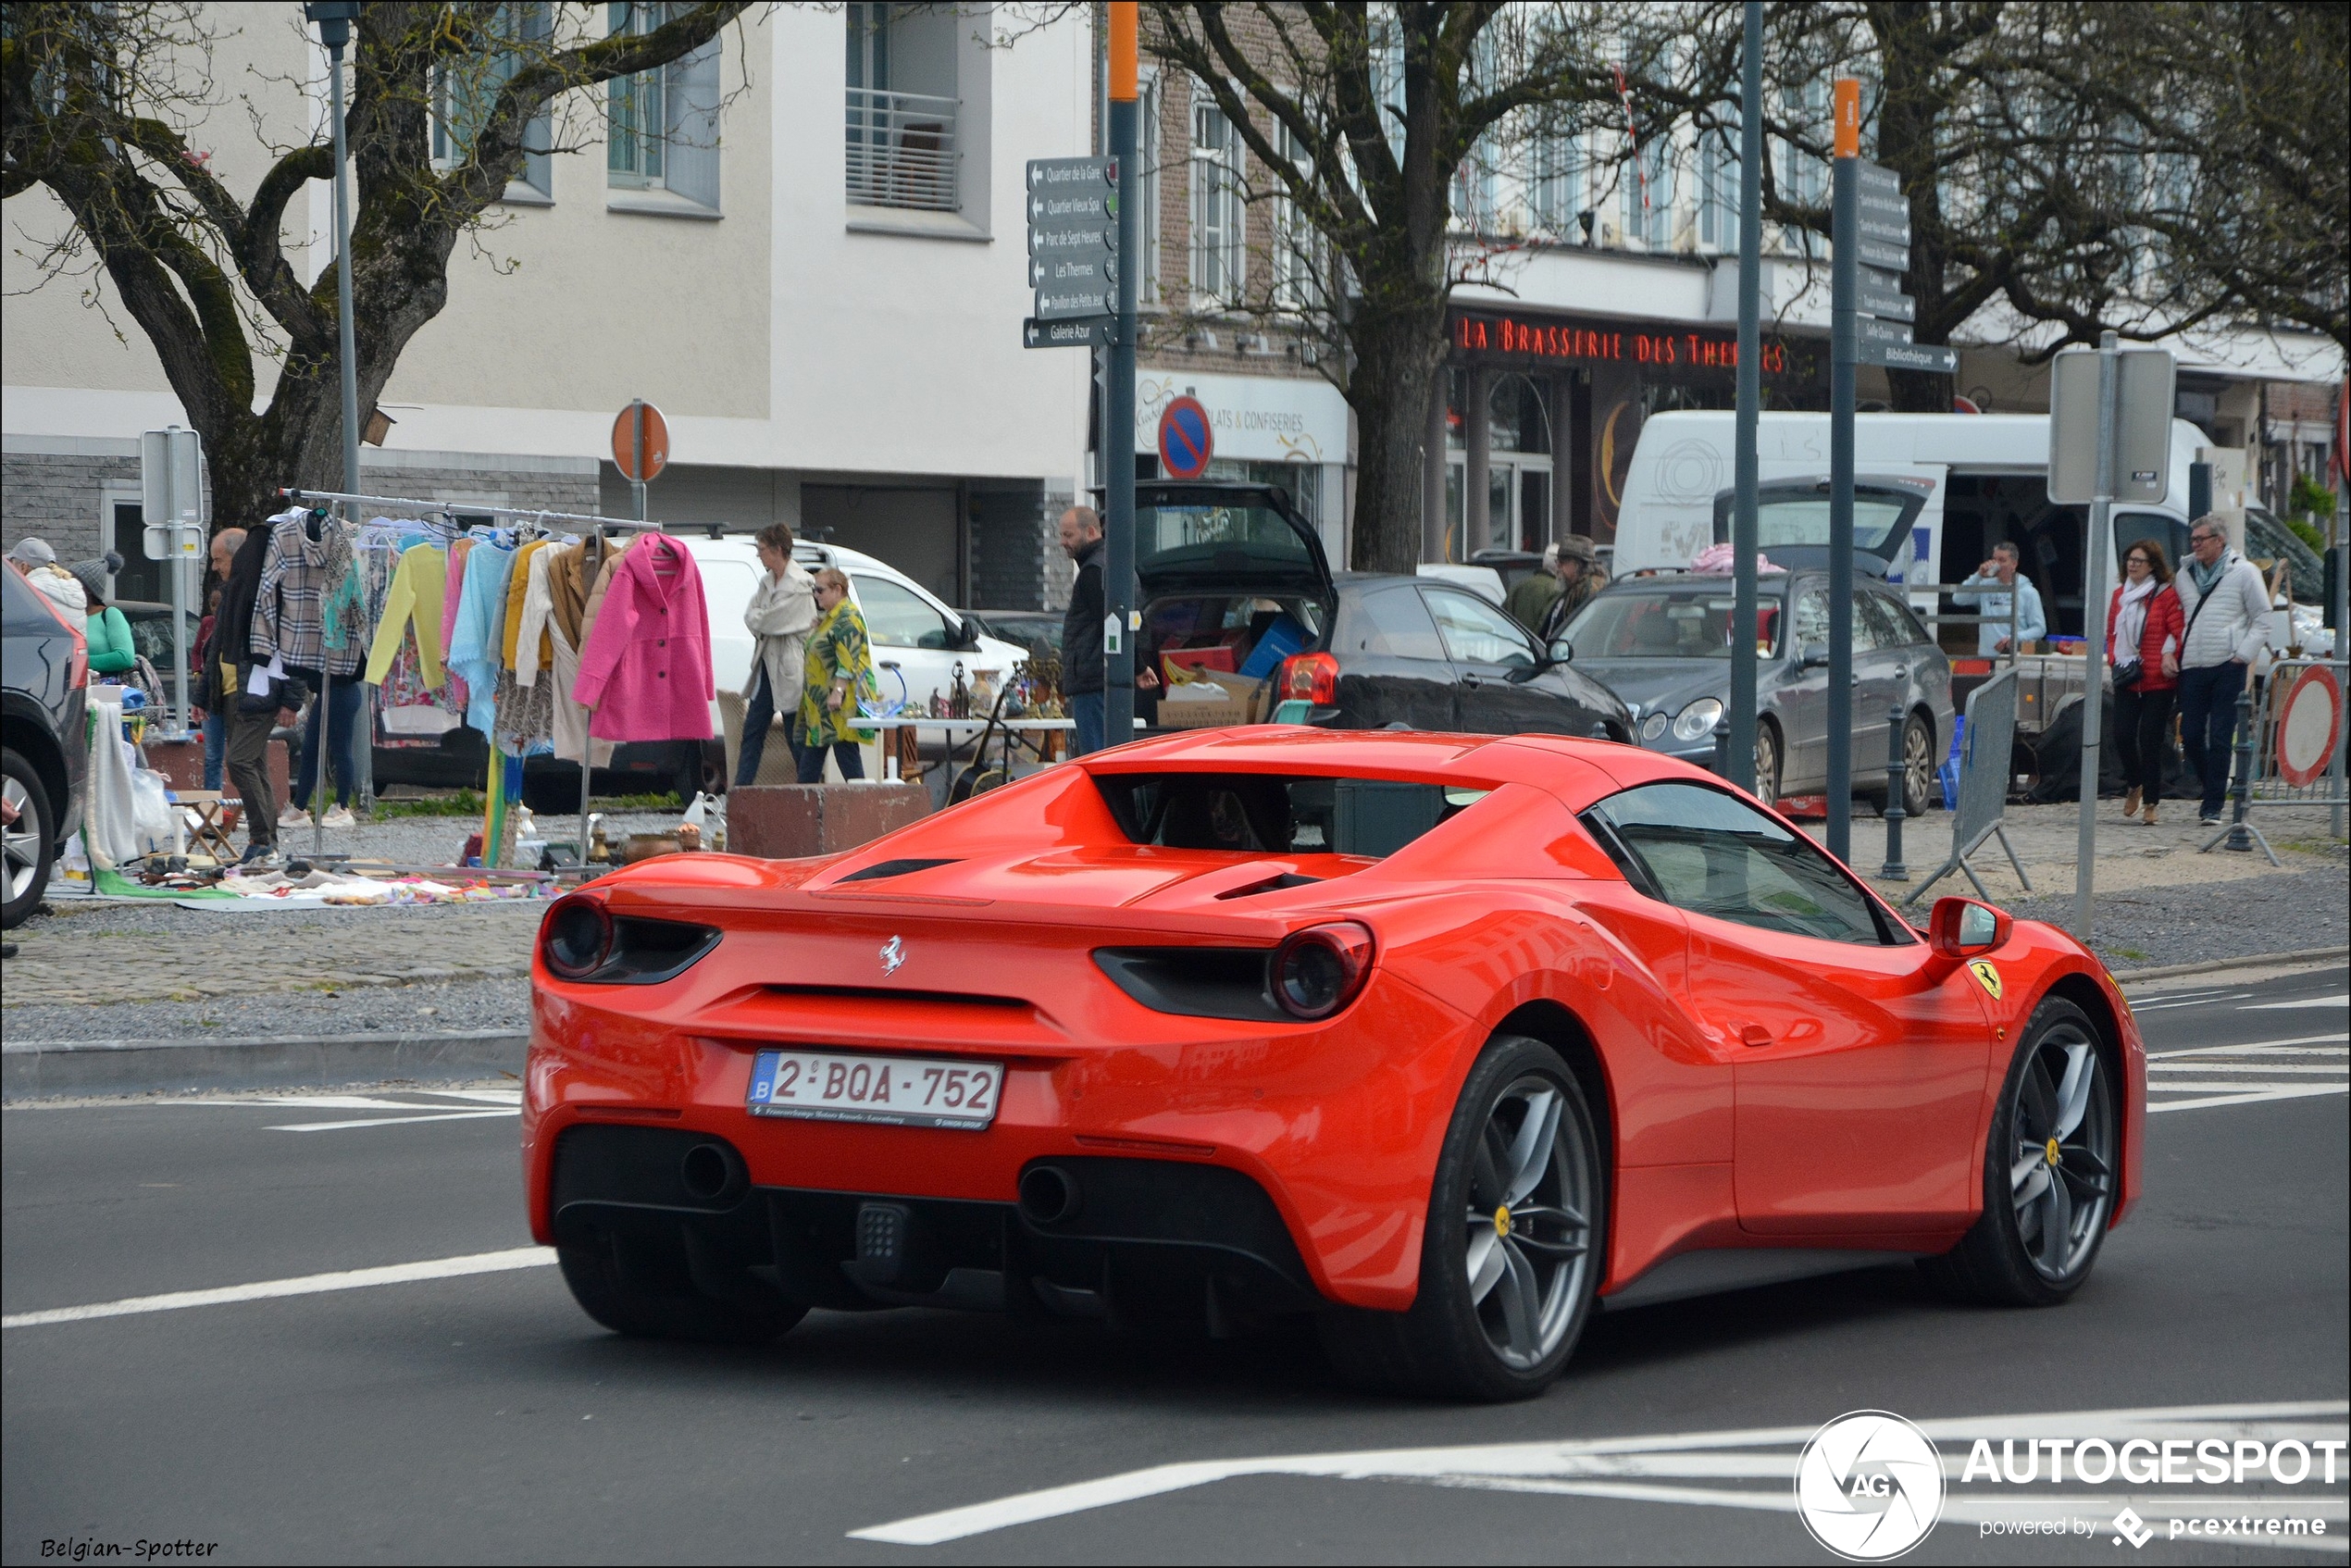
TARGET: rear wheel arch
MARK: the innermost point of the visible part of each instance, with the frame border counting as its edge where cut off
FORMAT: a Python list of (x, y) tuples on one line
[(36, 745), (1556, 1027)]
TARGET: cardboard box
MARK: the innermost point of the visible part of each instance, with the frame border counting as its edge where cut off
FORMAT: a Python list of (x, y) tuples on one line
[(1244, 703), (1194, 659)]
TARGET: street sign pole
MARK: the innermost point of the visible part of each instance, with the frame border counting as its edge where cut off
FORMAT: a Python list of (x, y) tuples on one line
[(2094, 599), (1745, 539), (1118, 422), (334, 30), (637, 475), (1844, 343)]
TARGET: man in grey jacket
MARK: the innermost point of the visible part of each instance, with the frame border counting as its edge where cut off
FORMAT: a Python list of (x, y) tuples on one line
[(780, 616), (2227, 607)]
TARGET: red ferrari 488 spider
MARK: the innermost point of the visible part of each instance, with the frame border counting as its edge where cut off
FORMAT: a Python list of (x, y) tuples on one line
[(1442, 1038)]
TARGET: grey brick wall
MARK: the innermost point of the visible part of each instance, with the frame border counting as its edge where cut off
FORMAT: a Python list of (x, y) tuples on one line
[(56, 498), (1016, 558)]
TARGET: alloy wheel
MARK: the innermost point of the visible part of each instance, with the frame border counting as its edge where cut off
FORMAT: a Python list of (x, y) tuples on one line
[(1918, 766), (20, 840), (2061, 1171), (1767, 765), (1527, 1234)]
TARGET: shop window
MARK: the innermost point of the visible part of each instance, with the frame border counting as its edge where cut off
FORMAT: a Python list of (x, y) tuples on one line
[(661, 125), (465, 89)]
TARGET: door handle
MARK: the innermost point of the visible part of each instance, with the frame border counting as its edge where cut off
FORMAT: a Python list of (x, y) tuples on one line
[(1473, 680), (1901, 672), (1754, 1034)]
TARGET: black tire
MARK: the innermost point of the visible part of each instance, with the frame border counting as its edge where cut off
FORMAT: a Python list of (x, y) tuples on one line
[(1997, 1262), (641, 1283), (1917, 765), (1450, 1343), (30, 841), (1768, 762)]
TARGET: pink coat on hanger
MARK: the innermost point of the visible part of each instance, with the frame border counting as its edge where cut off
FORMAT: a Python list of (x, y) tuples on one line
[(645, 672)]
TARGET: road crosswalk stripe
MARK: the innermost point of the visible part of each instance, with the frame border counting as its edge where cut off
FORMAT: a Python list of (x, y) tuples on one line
[(2246, 1094)]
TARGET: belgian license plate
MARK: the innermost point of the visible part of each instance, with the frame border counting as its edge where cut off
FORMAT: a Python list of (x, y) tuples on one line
[(905, 1091)]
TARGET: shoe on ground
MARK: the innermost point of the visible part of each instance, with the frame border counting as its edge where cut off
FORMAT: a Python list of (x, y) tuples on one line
[(2210, 819), (2149, 818), (293, 816), (261, 857), (339, 816)]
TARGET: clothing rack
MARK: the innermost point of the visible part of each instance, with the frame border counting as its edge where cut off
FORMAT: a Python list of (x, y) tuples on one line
[(494, 806)]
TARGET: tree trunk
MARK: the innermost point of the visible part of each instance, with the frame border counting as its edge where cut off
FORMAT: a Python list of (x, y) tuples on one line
[(1397, 361)]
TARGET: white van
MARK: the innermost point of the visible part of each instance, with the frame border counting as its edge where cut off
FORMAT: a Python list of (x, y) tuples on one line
[(1985, 474)]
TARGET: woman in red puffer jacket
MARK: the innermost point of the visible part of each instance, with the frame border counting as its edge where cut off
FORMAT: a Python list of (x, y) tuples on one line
[(2144, 630)]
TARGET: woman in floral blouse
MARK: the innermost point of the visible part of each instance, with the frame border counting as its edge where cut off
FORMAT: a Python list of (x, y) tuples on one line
[(841, 670)]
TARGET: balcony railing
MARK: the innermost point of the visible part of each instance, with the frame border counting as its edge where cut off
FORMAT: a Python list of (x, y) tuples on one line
[(901, 150)]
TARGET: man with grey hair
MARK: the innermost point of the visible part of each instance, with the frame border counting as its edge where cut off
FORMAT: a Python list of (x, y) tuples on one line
[(2227, 606)]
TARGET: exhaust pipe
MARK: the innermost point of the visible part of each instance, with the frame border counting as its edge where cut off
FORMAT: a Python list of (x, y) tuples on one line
[(709, 1173), (1049, 1194)]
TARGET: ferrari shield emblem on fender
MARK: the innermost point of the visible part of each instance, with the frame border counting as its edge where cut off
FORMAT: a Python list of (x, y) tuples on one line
[(1986, 975)]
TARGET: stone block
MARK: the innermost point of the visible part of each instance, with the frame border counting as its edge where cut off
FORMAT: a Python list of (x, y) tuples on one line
[(791, 821)]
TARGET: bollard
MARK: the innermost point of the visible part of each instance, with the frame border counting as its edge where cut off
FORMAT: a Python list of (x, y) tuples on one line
[(2238, 838), (1722, 748), (1897, 722)]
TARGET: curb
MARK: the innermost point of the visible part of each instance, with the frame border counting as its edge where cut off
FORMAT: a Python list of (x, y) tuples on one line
[(51, 1069), (2215, 965)]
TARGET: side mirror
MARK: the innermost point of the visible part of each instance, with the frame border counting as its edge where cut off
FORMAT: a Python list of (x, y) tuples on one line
[(1562, 652), (1812, 656), (1962, 928)]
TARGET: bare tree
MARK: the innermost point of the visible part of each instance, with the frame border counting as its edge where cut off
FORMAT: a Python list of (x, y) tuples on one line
[(101, 102), (1359, 121)]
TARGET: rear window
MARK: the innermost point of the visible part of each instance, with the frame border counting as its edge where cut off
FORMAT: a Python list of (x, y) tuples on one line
[(1272, 814), (1179, 540)]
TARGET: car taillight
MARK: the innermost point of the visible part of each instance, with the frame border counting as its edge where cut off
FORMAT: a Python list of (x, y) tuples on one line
[(576, 938), (1318, 971), (1312, 677)]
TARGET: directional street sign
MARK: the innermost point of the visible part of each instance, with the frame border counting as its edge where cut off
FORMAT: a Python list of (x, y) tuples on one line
[(1092, 208), (1910, 356), (1086, 270), (1877, 253), (1877, 180), (1071, 174), (1073, 252), (1896, 233), (1870, 329), (1089, 332), (1063, 241), (1878, 277), (1877, 300)]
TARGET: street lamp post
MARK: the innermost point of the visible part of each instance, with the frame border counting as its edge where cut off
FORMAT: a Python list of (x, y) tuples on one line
[(335, 19)]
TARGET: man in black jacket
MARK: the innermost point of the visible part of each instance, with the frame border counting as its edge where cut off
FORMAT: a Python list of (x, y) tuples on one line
[(1081, 532), (228, 669)]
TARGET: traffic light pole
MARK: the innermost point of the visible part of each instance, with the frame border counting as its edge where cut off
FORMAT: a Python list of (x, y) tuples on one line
[(1844, 354), (1745, 539), (1118, 414)]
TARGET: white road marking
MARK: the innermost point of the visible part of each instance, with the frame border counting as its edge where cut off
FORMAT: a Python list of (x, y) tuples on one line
[(1558, 1467), (2342, 1001), (392, 1121), (2202, 999), (2253, 1094), (307, 1284), (2310, 1069), (2251, 1047)]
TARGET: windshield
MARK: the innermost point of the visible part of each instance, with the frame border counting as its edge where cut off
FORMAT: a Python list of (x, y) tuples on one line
[(1694, 623), (1190, 538)]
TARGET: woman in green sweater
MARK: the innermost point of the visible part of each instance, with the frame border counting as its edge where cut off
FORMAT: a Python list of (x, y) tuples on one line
[(111, 650)]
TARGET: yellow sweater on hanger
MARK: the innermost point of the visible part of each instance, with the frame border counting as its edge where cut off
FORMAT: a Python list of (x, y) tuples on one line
[(418, 584), (517, 584)]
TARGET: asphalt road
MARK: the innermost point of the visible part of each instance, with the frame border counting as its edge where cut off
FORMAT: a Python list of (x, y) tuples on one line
[(481, 1417)]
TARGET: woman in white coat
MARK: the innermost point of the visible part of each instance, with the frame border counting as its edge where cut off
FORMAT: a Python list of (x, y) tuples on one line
[(779, 616)]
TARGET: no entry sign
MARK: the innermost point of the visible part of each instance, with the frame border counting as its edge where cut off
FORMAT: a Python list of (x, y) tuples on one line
[(1186, 443)]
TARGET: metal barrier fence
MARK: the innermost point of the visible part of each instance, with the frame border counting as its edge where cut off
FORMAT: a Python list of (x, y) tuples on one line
[(2290, 740), (1984, 783)]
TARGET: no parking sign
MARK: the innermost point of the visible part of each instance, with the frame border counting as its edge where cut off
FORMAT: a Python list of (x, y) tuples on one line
[(1185, 441)]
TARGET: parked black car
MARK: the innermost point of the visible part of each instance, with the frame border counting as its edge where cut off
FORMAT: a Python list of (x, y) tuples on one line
[(1224, 568), (42, 698)]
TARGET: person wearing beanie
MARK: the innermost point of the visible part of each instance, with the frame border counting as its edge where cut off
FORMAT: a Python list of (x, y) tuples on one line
[(111, 650)]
